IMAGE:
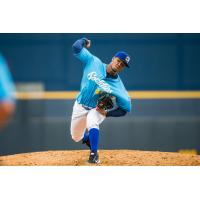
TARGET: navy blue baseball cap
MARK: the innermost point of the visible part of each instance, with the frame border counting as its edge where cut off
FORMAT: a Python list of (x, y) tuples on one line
[(123, 56)]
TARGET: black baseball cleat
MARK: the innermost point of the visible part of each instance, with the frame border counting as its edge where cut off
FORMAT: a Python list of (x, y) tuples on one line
[(94, 158), (87, 142)]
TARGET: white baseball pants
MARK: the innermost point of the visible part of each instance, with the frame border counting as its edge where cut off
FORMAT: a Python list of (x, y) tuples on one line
[(83, 119)]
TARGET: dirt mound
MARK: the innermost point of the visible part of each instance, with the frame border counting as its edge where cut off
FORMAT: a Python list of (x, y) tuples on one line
[(107, 157)]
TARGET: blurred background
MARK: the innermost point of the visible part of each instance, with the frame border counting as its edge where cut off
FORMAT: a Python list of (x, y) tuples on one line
[(163, 81)]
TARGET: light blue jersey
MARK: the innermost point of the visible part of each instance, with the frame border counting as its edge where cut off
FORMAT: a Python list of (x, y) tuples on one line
[(94, 79), (6, 83)]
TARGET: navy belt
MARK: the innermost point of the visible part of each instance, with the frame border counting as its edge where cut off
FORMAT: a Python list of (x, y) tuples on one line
[(86, 107)]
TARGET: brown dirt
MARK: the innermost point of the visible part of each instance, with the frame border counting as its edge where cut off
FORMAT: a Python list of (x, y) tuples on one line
[(107, 157)]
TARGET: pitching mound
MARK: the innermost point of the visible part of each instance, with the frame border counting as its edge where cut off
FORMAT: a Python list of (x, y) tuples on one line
[(107, 157)]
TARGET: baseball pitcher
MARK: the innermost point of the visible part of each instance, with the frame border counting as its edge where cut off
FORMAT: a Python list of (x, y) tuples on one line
[(102, 94)]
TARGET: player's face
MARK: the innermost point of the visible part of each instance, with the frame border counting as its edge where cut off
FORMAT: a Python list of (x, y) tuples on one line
[(117, 65)]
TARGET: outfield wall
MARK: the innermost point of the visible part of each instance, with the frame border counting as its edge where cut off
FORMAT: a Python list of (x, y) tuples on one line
[(156, 124)]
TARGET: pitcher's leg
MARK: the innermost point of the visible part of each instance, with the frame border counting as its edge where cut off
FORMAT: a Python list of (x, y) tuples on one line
[(86, 139), (94, 119), (78, 126), (78, 122)]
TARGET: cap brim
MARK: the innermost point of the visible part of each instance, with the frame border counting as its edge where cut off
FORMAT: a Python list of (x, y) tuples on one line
[(126, 64)]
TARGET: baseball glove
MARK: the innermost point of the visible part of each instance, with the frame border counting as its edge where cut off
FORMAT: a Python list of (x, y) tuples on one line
[(105, 101)]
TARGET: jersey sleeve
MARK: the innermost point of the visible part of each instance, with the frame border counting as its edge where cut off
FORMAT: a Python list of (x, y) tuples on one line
[(125, 103), (84, 55), (123, 99)]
